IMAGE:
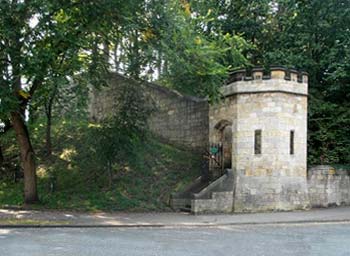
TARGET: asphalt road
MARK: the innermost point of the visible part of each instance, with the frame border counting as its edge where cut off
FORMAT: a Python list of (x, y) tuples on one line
[(296, 239)]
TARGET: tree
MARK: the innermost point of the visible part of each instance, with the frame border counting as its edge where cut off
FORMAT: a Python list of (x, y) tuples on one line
[(309, 35), (35, 37), (199, 64), (113, 140), (169, 43), (316, 38), (4, 127)]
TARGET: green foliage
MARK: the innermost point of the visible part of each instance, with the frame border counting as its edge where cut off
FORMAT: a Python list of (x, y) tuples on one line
[(114, 138), (315, 38), (309, 35), (168, 43), (11, 193), (42, 43), (199, 64), (142, 181), (329, 140)]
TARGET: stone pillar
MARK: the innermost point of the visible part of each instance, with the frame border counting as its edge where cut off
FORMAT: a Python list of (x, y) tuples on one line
[(273, 111)]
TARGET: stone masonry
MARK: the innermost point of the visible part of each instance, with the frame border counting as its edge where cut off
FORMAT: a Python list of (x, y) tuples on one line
[(276, 106), (329, 186), (177, 118)]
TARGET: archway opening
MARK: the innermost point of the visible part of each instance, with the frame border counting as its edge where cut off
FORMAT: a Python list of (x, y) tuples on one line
[(224, 138), (227, 147)]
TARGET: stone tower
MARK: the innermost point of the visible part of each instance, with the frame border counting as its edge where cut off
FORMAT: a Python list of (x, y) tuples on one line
[(262, 125)]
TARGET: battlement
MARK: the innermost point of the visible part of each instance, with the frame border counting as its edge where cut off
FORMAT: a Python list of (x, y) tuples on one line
[(257, 80), (275, 72)]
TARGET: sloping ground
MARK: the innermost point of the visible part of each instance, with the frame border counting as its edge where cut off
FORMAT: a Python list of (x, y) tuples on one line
[(73, 179)]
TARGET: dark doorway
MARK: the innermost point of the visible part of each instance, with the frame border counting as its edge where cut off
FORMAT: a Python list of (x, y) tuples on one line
[(224, 131), (227, 147)]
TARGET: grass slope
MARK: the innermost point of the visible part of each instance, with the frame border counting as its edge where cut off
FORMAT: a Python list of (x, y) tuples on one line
[(143, 182)]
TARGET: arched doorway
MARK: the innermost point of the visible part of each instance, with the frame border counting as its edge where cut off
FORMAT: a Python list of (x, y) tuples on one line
[(227, 147), (223, 138)]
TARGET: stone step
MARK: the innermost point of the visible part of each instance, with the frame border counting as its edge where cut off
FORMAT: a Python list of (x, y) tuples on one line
[(187, 208), (215, 196)]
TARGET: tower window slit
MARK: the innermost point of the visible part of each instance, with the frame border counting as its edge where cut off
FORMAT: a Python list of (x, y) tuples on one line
[(257, 142), (291, 143)]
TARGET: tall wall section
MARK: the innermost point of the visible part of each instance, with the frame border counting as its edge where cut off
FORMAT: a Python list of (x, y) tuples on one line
[(177, 119)]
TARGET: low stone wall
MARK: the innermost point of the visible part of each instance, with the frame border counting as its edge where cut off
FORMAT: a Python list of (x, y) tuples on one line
[(176, 118), (270, 193), (328, 186), (220, 202)]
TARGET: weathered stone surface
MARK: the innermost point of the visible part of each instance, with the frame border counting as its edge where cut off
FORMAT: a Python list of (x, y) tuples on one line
[(217, 197), (221, 202), (274, 179), (176, 118), (275, 84), (328, 186)]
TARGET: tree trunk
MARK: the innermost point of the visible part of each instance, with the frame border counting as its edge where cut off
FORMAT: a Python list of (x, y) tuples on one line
[(5, 129), (48, 112), (27, 158), (48, 143), (106, 52), (159, 63), (116, 57), (1, 156), (166, 67), (135, 64), (110, 175)]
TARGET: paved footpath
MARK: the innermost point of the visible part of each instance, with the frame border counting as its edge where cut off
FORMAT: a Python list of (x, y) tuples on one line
[(30, 218)]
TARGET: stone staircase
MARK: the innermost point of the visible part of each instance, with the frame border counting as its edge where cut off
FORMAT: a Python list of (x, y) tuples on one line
[(206, 197)]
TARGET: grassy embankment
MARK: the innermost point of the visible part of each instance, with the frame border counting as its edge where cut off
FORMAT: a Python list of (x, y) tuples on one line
[(143, 182)]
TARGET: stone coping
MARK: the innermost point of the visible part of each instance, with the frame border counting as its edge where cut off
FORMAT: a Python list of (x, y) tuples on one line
[(328, 170)]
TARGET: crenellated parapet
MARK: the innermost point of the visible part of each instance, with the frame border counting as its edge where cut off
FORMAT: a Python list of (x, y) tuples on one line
[(275, 72), (259, 80)]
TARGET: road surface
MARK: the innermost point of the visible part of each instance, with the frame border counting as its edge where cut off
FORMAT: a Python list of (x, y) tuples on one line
[(289, 239)]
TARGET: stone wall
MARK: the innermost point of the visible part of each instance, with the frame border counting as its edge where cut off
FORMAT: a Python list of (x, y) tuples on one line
[(328, 186), (220, 202), (176, 118)]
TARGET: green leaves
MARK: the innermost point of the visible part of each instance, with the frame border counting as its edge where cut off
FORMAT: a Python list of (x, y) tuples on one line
[(8, 102), (187, 45), (310, 35), (329, 139), (61, 16), (115, 138), (198, 64)]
